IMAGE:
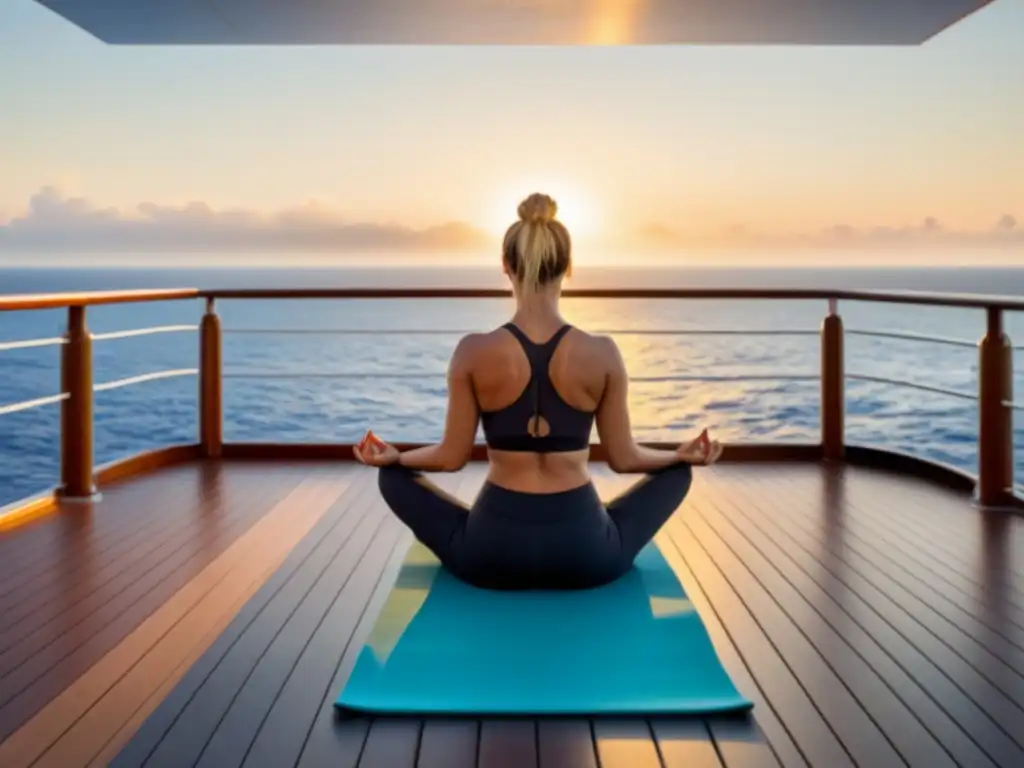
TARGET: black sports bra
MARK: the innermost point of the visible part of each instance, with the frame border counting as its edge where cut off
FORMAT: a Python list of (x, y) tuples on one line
[(509, 429)]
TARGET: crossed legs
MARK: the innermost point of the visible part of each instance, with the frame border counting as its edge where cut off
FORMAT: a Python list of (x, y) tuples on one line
[(438, 519), (641, 511)]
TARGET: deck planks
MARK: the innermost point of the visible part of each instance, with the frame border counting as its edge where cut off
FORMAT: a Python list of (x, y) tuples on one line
[(90, 618), (985, 546), (318, 545), (948, 604), (392, 743), (957, 703), (51, 542), (510, 743), (882, 669), (625, 743), (448, 743), (837, 679), (250, 670), (565, 744), (101, 593), (174, 636), (687, 744), (91, 717), (873, 620), (932, 579)]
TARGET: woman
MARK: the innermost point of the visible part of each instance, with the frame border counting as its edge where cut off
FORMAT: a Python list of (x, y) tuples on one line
[(538, 384)]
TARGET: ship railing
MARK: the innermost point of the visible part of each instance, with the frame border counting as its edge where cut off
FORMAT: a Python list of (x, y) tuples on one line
[(993, 483)]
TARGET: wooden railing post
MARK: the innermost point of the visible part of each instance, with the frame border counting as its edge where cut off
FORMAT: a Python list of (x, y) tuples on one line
[(76, 447), (832, 387), (211, 408), (995, 417)]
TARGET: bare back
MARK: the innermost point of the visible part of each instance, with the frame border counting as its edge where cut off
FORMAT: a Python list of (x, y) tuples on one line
[(499, 371)]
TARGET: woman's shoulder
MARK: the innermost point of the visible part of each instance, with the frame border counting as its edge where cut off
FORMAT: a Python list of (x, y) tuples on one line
[(580, 344), (474, 346), (598, 355), (600, 344), (480, 340)]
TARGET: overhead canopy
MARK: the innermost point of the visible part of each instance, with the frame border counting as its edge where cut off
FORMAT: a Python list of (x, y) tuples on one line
[(796, 22)]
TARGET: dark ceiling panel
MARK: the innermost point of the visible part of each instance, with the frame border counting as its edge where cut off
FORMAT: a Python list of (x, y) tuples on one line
[(240, 22), (145, 21)]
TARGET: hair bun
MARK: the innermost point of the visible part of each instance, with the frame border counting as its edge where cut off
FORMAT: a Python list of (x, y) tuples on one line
[(538, 208)]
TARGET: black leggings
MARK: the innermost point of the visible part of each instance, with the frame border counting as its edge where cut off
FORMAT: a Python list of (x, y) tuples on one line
[(513, 540)]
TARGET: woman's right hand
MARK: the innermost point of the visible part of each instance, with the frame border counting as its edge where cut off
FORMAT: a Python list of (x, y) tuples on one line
[(374, 452), (703, 451)]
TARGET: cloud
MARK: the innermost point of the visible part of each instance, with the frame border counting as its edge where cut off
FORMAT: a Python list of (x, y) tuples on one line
[(1006, 223), (930, 232), (55, 221)]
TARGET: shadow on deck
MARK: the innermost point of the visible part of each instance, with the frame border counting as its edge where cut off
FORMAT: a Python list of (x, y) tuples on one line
[(208, 614)]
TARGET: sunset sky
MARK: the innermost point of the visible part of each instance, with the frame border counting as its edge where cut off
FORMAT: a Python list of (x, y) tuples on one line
[(656, 143)]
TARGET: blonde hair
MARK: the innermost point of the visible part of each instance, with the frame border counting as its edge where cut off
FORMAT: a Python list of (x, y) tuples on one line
[(537, 248)]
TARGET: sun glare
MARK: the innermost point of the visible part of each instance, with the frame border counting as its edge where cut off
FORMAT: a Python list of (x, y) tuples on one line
[(575, 210)]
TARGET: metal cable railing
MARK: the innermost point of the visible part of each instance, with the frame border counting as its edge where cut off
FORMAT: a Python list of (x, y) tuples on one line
[(912, 385), (143, 378), (441, 374), (174, 373), (7, 346), (829, 383), (994, 398), (26, 405), (457, 332), (40, 402), (907, 336), (133, 333), (862, 332), (383, 375)]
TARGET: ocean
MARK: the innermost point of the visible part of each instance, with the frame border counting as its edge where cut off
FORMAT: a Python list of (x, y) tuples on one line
[(328, 386)]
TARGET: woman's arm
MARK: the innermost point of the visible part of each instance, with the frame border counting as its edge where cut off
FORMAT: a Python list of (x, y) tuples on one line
[(456, 447), (613, 427)]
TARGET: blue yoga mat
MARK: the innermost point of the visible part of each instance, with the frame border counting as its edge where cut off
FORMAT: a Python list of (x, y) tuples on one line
[(636, 646)]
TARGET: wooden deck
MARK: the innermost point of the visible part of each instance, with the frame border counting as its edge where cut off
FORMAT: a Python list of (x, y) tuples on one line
[(208, 614)]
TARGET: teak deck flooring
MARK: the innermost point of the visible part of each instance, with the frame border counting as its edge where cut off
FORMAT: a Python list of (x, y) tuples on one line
[(209, 614)]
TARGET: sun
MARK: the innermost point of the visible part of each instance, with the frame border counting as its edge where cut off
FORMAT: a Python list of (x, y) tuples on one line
[(575, 209)]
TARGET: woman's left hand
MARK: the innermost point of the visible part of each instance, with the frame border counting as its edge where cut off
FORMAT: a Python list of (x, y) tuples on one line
[(702, 451), (374, 452)]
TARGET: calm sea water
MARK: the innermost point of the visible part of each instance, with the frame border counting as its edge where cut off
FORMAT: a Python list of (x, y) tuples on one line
[(290, 387)]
